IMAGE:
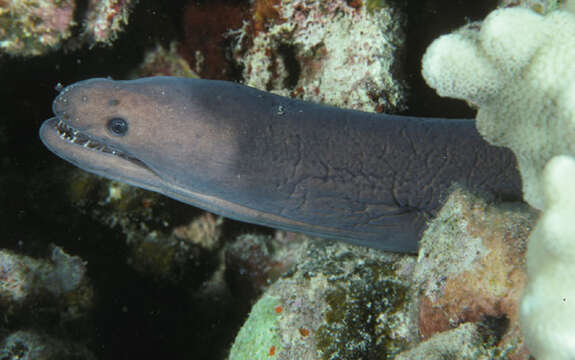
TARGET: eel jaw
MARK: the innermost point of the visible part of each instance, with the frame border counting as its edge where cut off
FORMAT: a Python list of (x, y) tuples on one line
[(90, 154)]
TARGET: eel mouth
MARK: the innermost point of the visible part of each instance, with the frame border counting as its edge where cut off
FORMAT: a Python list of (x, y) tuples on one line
[(76, 137), (96, 155)]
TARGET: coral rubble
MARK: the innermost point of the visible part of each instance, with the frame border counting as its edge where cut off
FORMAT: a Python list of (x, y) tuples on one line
[(33, 346), (46, 306), (37, 27), (466, 342), (471, 267), (106, 18), (24, 278), (336, 52), (339, 302), (33, 27)]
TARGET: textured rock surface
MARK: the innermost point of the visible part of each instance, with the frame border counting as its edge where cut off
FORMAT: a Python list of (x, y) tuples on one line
[(254, 262), (471, 267), (34, 27), (25, 281), (339, 302), (33, 346), (37, 27), (468, 341), (348, 303), (46, 306), (330, 52)]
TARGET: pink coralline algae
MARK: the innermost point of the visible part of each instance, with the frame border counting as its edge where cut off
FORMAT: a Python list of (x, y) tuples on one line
[(36, 27), (336, 52), (163, 61), (471, 268), (33, 27), (107, 18)]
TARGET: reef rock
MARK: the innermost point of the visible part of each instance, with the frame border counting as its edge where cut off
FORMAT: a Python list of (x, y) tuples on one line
[(339, 302)]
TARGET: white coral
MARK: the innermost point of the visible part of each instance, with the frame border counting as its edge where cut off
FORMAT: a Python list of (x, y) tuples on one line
[(547, 309), (518, 68)]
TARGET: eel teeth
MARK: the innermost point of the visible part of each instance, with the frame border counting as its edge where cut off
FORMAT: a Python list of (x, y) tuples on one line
[(68, 133)]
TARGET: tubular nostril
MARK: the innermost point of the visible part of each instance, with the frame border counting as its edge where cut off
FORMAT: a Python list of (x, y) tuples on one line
[(60, 105), (64, 99)]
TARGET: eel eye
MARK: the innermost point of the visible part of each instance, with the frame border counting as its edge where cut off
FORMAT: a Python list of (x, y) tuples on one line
[(118, 126)]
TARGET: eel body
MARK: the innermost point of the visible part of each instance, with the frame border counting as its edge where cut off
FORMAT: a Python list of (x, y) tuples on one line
[(370, 179)]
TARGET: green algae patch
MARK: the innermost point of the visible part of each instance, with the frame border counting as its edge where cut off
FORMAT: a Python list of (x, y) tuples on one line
[(339, 302), (366, 316), (374, 5), (154, 256), (259, 337)]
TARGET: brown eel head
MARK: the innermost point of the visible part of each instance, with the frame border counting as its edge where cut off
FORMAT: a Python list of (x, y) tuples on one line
[(147, 133)]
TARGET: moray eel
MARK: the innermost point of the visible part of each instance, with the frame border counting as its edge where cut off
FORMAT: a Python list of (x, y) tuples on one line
[(369, 179)]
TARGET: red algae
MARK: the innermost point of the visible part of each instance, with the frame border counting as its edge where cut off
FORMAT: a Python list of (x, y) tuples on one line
[(34, 27), (253, 262), (107, 18), (207, 27), (266, 12), (471, 268), (162, 61), (37, 27), (337, 52)]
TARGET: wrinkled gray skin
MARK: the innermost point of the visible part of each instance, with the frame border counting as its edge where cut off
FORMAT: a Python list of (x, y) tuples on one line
[(369, 179)]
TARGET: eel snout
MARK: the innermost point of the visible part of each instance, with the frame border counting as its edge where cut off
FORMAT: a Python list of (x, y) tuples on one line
[(79, 131)]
